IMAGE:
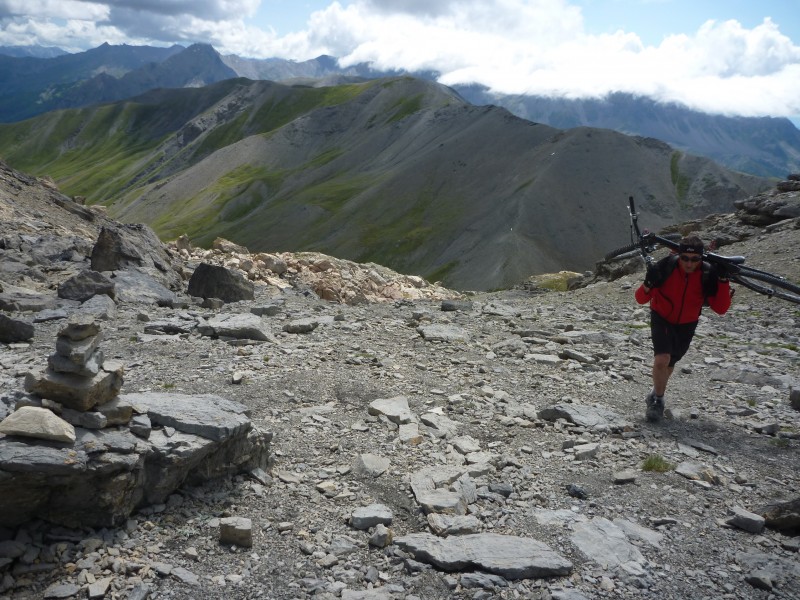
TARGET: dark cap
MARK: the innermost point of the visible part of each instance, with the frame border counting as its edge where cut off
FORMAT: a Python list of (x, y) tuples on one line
[(696, 248)]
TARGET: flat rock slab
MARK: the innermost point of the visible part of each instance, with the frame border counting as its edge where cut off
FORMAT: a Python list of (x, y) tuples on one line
[(443, 333), (133, 286), (509, 556), (209, 416), (239, 326), (586, 416), (605, 543), (74, 391)]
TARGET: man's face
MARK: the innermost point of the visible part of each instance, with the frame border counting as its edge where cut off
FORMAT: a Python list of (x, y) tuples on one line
[(690, 261)]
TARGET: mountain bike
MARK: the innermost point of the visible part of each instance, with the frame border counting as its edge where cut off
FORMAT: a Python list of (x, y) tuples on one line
[(645, 243)]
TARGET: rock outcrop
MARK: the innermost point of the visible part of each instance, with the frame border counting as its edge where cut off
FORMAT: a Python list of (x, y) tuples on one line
[(74, 453)]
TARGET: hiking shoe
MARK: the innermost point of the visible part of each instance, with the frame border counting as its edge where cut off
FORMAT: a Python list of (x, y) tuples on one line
[(655, 406)]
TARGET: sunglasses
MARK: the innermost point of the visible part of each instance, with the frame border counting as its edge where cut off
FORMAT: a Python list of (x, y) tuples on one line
[(690, 259)]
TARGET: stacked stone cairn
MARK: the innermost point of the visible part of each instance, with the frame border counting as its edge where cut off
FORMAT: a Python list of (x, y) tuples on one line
[(78, 385)]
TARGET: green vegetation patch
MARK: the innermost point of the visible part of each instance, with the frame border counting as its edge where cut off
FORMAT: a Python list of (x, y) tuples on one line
[(333, 194), (441, 273), (89, 152), (657, 463), (680, 181), (405, 107), (277, 113), (229, 199), (557, 282)]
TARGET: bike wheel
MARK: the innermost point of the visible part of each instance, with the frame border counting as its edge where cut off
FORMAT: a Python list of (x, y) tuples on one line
[(624, 250), (769, 278), (775, 286)]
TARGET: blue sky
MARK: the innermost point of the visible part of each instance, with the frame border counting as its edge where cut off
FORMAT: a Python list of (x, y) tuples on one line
[(735, 57)]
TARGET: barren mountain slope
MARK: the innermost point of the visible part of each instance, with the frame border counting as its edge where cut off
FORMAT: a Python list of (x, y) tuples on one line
[(400, 171)]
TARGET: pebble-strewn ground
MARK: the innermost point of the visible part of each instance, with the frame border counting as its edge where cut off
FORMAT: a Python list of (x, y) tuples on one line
[(629, 533)]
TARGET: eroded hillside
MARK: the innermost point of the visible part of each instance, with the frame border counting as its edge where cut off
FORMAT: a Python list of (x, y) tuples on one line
[(399, 171)]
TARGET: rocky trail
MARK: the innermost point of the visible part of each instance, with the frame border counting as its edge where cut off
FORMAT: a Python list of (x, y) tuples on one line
[(421, 443)]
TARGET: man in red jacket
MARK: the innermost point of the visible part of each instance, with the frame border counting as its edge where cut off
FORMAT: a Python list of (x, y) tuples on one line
[(677, 287)]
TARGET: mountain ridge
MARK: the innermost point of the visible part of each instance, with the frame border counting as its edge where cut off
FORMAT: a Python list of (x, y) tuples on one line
[(400, 171), (768, 147)]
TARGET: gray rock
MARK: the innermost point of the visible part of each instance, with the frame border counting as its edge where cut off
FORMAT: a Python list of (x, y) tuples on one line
[(586, 451), (38, 423), (100, 307), (85, 419), (84, 285), (15, 330), (306, 325), (371, 465), (622, 477), (586, 416), (18, 299), (395, 409), (381, 537), (637, 532), (268, 310), (73, 391), (782, 515), (137, 287), (698, 472), (605, 543), (211, 281), (79, 327), (12, 549), (123, 247), (438, 332), (99, 588), (89, 368), (61, 590), (442, 424), (794, 399), (238, 326), (485, 581), (141, 426), (441, 501), (746, 520), (185, 576), (760, 579), (140, 591), (369, 516), (208, 416), (444, 525), (508, 556), (457, 305), (237, 531), (78, 351)]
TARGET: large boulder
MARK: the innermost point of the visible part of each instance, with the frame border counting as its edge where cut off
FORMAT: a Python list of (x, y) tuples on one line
[(101, 478), (15, 330), (137, 247), (213, 281), (85, 285)]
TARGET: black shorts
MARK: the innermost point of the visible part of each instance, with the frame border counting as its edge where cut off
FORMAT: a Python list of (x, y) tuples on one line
[(669, 338)]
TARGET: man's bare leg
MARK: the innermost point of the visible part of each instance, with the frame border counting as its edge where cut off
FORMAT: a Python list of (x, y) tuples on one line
[(661, 373)]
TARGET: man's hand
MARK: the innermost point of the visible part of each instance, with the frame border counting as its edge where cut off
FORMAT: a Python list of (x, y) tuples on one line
[(652, 277), (722, 272)]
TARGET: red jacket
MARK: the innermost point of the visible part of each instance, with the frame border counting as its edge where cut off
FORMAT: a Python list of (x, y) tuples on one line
[(680, 298)]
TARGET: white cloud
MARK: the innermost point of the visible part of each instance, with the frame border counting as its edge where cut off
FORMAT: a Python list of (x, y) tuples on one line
[(512, 46)]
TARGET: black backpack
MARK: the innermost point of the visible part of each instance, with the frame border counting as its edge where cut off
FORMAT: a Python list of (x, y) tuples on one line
[(710, 277)]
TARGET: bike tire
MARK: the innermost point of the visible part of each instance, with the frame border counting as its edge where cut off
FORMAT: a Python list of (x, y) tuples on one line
[(769, 278), (623, 250), (760, 287)]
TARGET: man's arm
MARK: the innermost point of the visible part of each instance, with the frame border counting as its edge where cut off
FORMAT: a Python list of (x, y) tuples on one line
[(721, 301)]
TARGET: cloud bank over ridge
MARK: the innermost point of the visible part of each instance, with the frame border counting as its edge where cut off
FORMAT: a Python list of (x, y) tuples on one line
[(511, 46)]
